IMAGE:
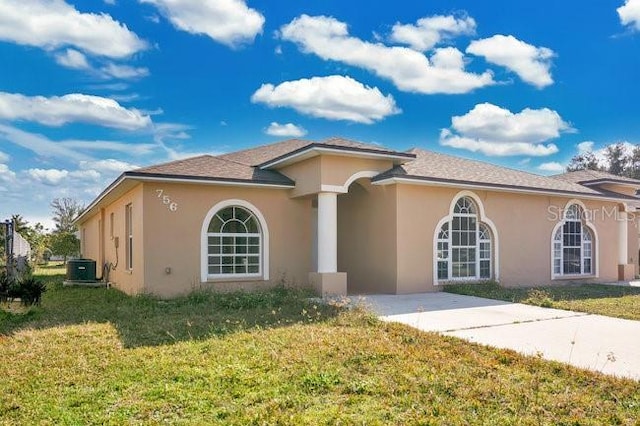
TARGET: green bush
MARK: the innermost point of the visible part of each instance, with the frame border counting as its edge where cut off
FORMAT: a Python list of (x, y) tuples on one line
[(31, 290), (28, 289)]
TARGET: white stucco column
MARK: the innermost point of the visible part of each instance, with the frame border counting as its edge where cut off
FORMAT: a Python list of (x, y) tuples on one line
[(327, 232), (623, 234)]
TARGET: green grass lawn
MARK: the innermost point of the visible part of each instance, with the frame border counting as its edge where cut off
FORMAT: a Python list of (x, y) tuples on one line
[(613, 301), (96, 356)]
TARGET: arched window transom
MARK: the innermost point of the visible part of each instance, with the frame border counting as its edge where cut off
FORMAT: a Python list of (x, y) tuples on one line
[(234, 243), (463, 245), (573, 245)]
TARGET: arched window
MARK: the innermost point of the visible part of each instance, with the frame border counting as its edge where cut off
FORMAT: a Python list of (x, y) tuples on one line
[(463, 245), (573, 245), (234, 243)]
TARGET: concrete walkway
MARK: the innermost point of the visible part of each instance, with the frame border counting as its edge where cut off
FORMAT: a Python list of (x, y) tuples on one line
[(595, 342)]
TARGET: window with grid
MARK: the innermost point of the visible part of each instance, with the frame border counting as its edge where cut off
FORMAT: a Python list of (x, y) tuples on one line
[(484, 238), (464, 245), (443, 252), (573, 245), (234, 243)]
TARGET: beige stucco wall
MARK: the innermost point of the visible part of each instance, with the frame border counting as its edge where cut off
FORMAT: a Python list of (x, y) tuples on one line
[(103, 250), (89, 240), (173, 239), (330, 171), (367, 238), (385, 232), (524, 225)]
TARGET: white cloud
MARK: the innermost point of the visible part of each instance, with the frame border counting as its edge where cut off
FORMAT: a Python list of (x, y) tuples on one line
[(6, 174), (123, 72), (107, 166), (586, 146), (334, 97), (529, 62), (114, 146), (552, 166), (285, 130), (75, 107), (601, 154), (430, 31), (630, 14), (4, 157), (71, 58), (48, 176), (230, 22), (496, 149), (38, 144), (54, 24), (408, 69), (496, 131), (74, 59)]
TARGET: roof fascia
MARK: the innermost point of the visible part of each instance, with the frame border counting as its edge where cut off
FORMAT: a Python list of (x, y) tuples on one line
[(128, 176), (498, 188), (315, 150)]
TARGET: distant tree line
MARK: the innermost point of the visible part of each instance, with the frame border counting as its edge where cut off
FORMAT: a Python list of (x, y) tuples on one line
[(61, 241), (617, 161)]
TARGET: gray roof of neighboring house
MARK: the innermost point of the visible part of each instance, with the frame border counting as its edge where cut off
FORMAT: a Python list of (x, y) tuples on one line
[(437, 167), (593, 177)]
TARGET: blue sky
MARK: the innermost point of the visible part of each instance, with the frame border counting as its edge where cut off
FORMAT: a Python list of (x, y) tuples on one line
[(91, 88)]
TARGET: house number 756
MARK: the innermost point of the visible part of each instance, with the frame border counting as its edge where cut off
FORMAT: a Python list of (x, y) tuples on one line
[(166, 200)]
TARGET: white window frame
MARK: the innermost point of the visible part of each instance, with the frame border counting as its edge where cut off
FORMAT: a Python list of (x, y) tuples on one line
[(557, 244), (264, 243), (481, 219)]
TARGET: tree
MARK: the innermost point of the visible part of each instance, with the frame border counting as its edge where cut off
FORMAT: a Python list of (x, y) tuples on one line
[(39, 241), (617, 159), (20, 225), (65, 211), (634, 163), (65, 244), (584, 161)]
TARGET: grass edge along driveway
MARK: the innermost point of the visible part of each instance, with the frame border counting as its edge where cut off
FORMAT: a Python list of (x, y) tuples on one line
[(599, 299)]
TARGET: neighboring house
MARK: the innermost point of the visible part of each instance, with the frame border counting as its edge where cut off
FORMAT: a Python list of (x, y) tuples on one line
[(348, 217)]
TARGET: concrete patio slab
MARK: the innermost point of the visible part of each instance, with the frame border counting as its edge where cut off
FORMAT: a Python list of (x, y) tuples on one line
[(594, 342)]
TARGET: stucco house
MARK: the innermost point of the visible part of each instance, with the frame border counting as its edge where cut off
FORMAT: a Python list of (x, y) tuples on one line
[(348, 217)]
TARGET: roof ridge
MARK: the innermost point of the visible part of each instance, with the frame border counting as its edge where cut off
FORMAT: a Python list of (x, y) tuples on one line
[(175, 161)]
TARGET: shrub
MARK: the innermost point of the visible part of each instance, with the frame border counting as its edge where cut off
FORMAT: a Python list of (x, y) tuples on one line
[(28, 289), (31, 290), (5, 286), (539, 298)]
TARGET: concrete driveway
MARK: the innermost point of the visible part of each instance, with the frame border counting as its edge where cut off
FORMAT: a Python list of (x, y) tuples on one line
[(595, 342)]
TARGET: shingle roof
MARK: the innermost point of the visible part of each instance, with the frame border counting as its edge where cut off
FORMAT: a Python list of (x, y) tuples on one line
[(593, 176), (244, 166), (435, 166), (267, 153), (209, 167)]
